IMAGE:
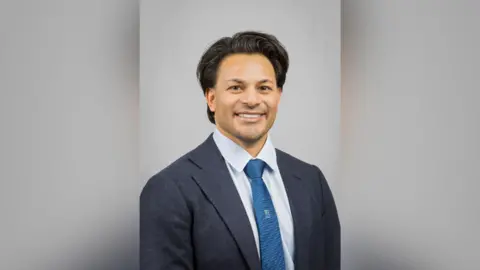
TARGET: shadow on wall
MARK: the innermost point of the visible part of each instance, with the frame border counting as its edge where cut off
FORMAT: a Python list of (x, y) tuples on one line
[(115, 249), (117, 258), (363, 253)]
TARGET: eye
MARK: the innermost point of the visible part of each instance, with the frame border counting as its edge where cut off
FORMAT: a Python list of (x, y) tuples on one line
[(235, 87), (265, 88)]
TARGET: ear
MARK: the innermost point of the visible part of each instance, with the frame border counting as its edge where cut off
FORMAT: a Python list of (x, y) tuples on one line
[(210, 97)]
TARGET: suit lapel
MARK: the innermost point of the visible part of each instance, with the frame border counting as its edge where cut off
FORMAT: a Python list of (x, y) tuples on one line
[(299, 206), (217, 184)]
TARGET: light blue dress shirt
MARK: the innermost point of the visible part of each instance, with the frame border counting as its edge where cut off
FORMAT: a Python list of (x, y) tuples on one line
[(236, 159)]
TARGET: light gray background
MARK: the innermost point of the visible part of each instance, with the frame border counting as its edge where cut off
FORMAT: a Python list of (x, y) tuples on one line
[(407, 155), (68, 142), (410, 134)]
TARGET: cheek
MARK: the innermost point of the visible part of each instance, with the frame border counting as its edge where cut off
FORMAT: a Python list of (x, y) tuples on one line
[(275, 108), (273, 114), (229, 103), (225, 106), (273, 105)]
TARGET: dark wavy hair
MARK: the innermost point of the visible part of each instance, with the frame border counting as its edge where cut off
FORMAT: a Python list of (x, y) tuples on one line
[(249, 42)]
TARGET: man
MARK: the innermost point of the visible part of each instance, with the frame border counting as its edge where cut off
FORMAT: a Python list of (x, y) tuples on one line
[(236, 202)]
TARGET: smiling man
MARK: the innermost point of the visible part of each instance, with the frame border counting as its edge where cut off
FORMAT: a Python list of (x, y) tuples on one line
[(237, 202)]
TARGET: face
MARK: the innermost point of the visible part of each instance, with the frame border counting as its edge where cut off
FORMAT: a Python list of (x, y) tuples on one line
[(245, 99)]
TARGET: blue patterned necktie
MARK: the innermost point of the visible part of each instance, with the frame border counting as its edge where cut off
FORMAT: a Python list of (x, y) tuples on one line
[(271, 251)]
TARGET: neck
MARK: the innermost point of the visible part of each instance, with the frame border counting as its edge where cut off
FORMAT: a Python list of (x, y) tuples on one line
[(252, 147)]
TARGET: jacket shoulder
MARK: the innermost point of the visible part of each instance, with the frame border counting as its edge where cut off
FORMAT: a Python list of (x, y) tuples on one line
[(176, 171), (301, 168), (284, 157)]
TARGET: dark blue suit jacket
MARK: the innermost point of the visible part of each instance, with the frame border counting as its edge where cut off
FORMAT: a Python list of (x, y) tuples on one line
[(192, 217)]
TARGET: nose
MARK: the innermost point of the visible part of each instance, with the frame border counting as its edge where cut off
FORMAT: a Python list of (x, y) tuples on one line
[(251, 97)]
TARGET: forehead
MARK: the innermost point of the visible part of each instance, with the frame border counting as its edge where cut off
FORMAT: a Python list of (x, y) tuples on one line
[(247, 67)]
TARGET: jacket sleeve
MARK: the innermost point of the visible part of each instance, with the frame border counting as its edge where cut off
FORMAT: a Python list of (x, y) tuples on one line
[(332, 226), (165, 226)]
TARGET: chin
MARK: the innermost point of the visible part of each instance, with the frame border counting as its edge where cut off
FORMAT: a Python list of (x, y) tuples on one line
[(250, 137)]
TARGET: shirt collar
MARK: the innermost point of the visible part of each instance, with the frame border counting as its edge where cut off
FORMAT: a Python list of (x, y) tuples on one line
[(238, 157)]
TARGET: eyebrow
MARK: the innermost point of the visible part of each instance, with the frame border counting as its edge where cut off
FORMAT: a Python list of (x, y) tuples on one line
[(241, 81)]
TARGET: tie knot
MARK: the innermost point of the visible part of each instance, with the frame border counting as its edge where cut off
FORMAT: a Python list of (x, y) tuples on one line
[(254, 168)]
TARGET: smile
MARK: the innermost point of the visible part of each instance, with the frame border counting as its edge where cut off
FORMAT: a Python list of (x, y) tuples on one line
[(250, 117)]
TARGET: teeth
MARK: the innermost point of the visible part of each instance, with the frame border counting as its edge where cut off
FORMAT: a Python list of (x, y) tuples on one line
[(250, 115)]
